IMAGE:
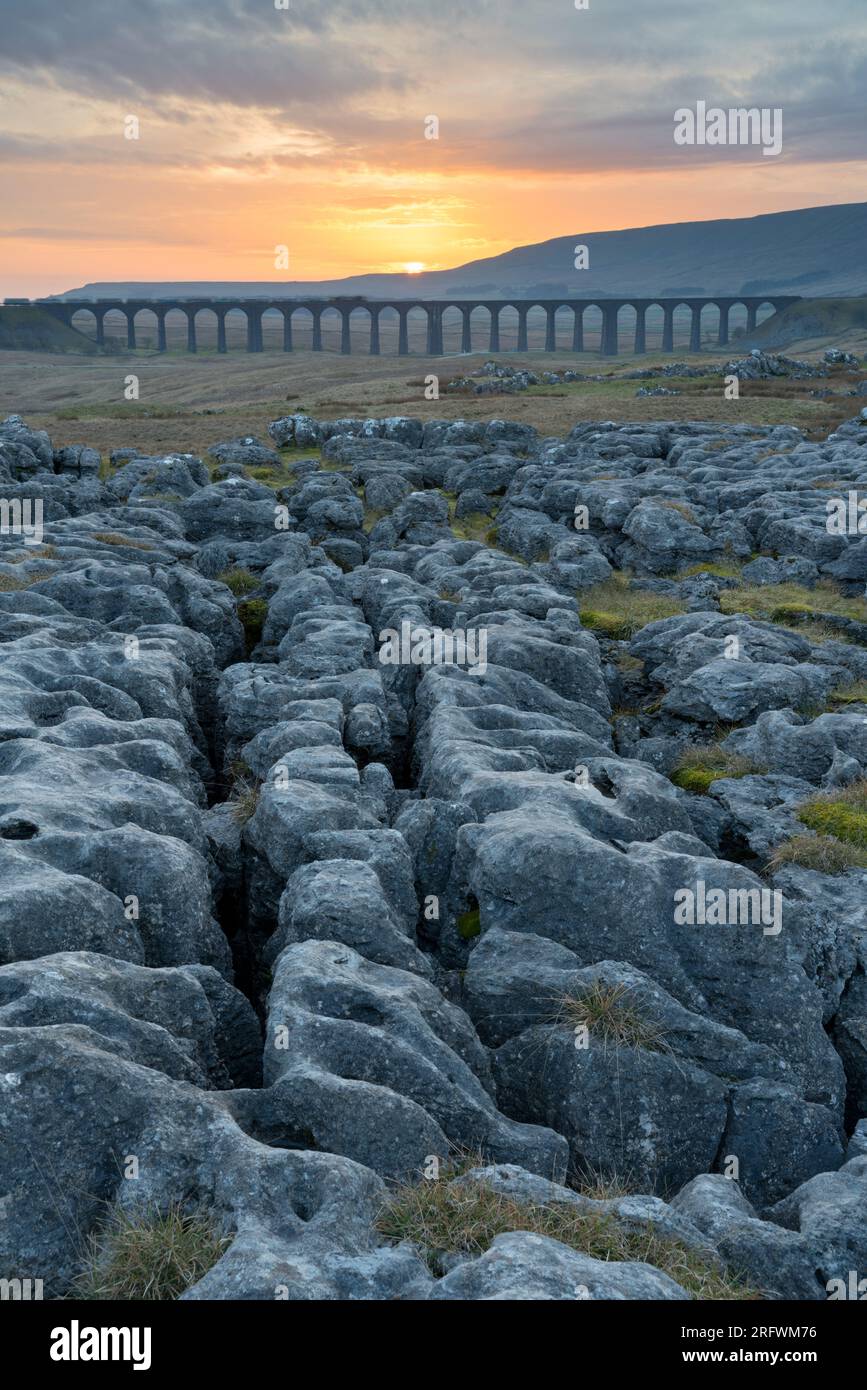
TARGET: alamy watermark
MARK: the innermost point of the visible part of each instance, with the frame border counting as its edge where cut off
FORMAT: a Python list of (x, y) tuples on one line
[(22, 518), (850, 1288), (77, 1343), (847, 516), (719, 907), (434, 646), (21, 1290), (740, 125)]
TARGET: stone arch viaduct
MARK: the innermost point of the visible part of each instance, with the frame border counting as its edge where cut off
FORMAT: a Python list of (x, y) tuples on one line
[(254, 309)]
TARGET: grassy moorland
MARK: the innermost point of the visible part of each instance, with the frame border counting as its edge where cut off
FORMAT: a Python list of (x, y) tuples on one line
[(190, 402)]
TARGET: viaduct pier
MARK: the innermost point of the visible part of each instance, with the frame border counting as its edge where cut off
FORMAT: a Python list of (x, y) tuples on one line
[(316, 310)]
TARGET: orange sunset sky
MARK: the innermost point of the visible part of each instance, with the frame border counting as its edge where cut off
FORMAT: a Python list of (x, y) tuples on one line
[(305, 126)]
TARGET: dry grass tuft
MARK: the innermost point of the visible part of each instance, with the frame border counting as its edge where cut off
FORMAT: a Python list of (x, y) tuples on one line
[(239, 580), (152, 1257), (612, 1014), (823, 853), (686, 512), (244, 792), (441, 1218)]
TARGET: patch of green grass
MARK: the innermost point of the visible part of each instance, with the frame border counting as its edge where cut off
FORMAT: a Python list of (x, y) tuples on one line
[(793, 603), (475, 526), (614, 609), (821, 852), (126, 410), (701, 764), (371, 516), (721, 569), (239, 580), (325, 465), (854, 694), (816, 631), (151, 1257), (611, 1014), (443, 1218), (10, 584), (686, 512), (628, 664), (113, 538), (616, 388), (272, 477), (841, 813)]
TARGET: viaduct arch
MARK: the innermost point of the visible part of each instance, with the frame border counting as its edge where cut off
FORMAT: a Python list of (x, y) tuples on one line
[(434, 309)]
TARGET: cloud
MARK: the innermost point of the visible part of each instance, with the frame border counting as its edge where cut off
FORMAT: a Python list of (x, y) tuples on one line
[(516, 86), (103, 236), (243, 52), (312, 117)]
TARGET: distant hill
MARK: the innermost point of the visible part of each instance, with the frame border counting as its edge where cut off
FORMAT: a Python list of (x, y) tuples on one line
[(812, 251), (32, 329), (836, 320)]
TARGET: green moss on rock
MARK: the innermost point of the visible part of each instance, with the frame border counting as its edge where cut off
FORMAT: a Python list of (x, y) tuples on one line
[(252, 613), (469, 924)]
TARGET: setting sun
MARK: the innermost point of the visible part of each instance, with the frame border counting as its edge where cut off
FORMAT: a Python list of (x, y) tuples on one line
[(414, 267)]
